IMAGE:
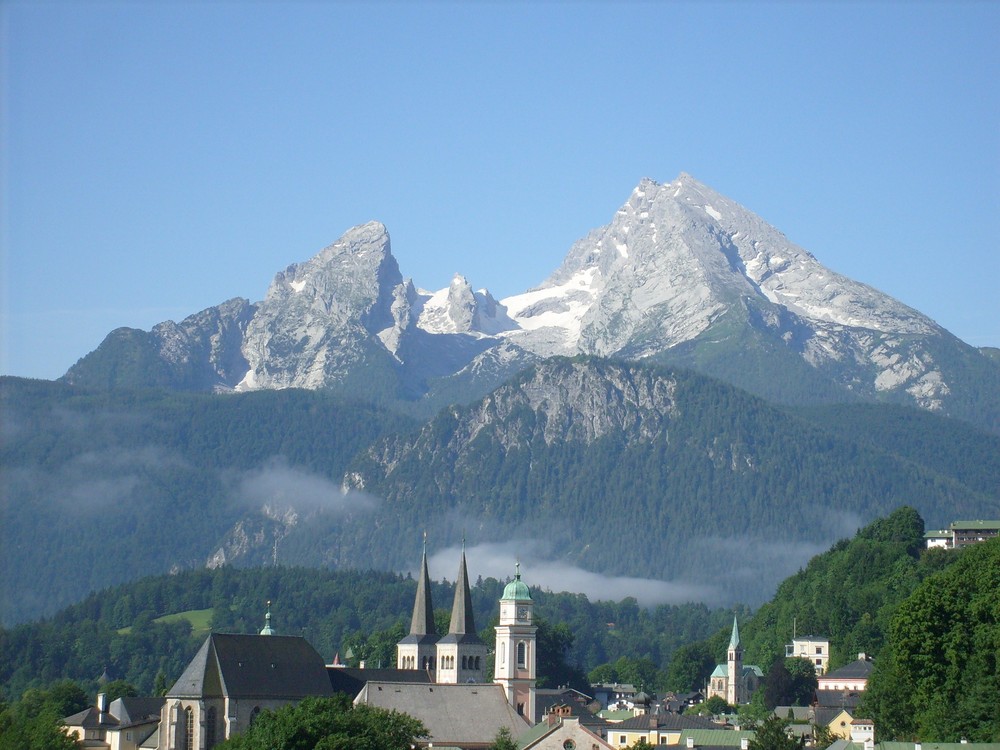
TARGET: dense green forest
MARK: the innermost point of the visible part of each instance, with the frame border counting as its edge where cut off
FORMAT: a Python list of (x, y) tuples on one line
[(938, 677), (102, 487), (124, 631), (711, 482)]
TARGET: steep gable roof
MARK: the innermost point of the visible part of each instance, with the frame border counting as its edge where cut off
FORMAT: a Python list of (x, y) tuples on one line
[(276, 666), (860, 669)]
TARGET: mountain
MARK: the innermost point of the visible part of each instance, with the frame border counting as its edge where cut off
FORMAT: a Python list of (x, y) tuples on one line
[(630, 476), (680, 275)]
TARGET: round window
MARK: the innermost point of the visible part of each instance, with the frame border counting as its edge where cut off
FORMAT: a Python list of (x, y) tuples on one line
[(569, 745)]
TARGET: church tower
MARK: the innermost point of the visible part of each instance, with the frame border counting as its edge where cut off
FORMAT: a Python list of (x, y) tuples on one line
[(514, 668), (461, 654), (734, 692), (418, 650)]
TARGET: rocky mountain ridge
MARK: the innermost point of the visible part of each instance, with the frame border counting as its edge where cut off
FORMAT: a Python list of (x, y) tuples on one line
[(681, 275)]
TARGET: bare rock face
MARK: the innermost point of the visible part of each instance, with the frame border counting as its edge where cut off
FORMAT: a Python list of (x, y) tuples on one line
[(680, 275), (678, 259), (316, 316)]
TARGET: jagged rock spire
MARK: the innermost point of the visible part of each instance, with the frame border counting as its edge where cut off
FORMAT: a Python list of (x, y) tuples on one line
[(422, 622), (462, 621)]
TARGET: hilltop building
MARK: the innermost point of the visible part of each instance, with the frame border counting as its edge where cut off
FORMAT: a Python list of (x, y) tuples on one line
[(733, 681), (962, 534)]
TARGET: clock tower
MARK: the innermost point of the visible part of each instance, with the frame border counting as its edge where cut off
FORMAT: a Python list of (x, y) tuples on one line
[(514, 666)]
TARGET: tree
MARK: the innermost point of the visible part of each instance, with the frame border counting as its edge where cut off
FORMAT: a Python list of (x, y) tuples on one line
[(35, 722), (119, 689), (803, 685), (641, 744), (823, 737), (690, 667), (329, 724), (771, 735), (717, 705), (503, 741), (944, 640), (789, 682)]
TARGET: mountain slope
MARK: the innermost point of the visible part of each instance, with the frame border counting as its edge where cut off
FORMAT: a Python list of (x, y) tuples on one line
[(606, 468), (680, 275), (635, 470)]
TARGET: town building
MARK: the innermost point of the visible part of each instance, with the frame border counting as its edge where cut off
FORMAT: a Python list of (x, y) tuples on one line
[(122, 724), (813, 648), (850, 678)]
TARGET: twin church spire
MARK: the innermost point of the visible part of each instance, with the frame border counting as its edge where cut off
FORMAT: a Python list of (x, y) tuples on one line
[(459, 655)]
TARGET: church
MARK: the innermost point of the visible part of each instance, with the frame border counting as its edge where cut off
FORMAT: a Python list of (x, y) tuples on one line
[(438, 679), (733, 681)]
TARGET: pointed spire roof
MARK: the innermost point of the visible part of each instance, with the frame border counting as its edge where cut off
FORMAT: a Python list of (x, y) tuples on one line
[(267, 629), (462, 621), (422, 622), (734, 639)]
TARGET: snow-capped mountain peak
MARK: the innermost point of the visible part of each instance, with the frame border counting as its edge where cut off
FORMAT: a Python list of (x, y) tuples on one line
[(681, 273)]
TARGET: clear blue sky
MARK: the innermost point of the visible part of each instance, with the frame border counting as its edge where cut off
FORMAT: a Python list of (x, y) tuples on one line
[(161, 157)]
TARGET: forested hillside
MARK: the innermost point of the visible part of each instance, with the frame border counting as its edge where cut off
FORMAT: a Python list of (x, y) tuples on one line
[(938, 678), (99, 488), (103, 487), (930, 619), (132, 630), (709, 471)]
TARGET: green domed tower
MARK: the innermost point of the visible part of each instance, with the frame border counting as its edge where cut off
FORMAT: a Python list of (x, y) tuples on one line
[(515, 647)]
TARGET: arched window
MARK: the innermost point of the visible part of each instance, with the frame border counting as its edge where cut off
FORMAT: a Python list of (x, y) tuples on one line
[(254, 714), (522, 650), (210, 720), (477, 663), (189, 728), (503, 653), (465, 662)]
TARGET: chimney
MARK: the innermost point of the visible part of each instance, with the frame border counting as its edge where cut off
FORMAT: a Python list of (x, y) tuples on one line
[(690, 742), (862, 656), (102, 703), (917, 746), (744, 743)]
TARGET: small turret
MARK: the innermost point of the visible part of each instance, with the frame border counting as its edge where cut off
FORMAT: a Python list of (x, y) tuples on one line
[(267, 629)]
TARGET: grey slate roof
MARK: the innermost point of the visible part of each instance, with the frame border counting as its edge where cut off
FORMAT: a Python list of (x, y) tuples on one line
[(351, 680), (838, 698), (274, 666), (678, 722), (860, 669), (461, 715), (122, 713)]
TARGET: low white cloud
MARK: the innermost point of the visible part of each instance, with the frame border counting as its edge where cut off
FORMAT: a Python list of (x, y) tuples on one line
[(497, 560), (278, 485)]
